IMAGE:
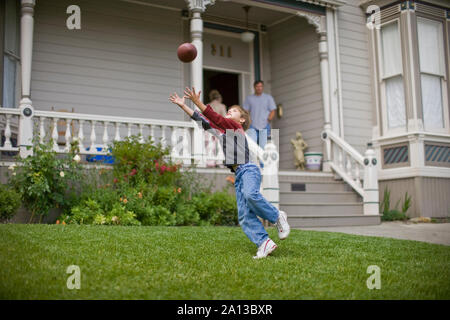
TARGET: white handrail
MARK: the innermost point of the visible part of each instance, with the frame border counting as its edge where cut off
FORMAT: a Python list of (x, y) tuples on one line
[(347, 148), (367, 165), (343, 165)]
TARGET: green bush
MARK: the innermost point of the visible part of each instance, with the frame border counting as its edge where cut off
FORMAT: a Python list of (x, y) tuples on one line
[(394, 214), (144, 187), (147, 162), (90, 212), (9, 202), (217, 208), (45, 180)]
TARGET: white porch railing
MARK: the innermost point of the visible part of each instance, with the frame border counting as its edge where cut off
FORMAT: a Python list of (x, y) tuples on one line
[(96, 132), (353, 168)]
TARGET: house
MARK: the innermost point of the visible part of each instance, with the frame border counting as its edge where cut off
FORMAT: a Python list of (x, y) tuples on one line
[(365, 82)]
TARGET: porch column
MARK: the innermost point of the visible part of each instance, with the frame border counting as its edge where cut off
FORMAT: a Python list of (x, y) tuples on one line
[(324, 72), (197, 7), (197, 64), (26, 51)]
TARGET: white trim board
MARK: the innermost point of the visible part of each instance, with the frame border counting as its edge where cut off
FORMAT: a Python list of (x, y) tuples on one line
[(408, 172)]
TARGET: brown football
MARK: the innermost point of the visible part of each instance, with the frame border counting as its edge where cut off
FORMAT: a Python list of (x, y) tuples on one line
[(187, 52)]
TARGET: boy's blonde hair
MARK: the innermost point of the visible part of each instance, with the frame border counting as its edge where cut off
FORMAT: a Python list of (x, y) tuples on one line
[(244, 114)]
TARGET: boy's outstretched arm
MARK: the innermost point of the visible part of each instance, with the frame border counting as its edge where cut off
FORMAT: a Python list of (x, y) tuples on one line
[(194, 97), (174, 98), (195, 115)]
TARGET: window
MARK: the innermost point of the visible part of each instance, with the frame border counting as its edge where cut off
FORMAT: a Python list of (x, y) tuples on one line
[(10, 54), (432, 72), (392, 76)]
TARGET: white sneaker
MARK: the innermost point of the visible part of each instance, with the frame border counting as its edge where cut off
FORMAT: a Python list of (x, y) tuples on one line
[(283, 226), (265, 249)]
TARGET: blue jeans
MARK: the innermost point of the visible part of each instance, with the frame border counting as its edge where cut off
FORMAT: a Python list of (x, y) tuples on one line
[(260, 136), (251, 203)]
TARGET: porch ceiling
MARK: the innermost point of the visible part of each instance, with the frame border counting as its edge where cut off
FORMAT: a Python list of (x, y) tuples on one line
[(226, 10)]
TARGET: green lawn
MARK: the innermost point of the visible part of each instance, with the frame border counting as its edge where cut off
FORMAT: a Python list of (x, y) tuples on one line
[(213, 263)]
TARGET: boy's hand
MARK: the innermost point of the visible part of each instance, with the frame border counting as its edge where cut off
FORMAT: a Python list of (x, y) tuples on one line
[(174, 98), (192, 95)]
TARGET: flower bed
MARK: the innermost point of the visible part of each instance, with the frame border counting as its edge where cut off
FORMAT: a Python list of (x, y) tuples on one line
[(143, 187)]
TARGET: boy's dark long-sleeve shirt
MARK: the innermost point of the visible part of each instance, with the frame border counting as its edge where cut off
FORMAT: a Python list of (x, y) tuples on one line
[(232, 136)]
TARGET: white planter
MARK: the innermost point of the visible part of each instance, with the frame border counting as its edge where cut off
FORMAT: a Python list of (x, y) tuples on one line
[(313, 160)]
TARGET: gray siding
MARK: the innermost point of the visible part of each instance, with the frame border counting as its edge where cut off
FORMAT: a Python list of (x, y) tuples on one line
[(355, 74), (296, 84), (122, 61)]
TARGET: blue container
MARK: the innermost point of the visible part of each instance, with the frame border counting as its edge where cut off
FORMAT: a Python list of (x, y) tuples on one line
[(100, 158)]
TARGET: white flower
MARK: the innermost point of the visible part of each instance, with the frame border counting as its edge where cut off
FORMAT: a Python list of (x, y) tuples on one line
[(61, 174), (77, 158), (11, 167), (13, 173), (115, 219)]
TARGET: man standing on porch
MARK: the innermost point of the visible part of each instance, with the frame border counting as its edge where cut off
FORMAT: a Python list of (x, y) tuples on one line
[(262, 110)]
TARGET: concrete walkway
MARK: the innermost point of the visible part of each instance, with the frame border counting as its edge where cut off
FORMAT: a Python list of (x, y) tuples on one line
[(438, 233)]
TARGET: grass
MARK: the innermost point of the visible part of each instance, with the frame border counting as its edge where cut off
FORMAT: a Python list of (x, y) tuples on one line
[(213, 263)]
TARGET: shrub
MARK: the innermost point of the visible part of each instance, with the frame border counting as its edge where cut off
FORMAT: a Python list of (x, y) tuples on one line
[(9, 202), (90, 212), (85, 213), (147, 162), (217, 208), (158, 216), (394, 214), (45, 180), (144, 187)]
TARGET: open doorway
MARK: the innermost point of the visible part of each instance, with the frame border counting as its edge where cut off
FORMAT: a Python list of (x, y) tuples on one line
[(226, 83)]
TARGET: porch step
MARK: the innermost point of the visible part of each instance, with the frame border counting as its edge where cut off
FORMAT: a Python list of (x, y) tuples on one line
[(319, 197), (314, 186), (322, 209), (300, 221), (319, 200)]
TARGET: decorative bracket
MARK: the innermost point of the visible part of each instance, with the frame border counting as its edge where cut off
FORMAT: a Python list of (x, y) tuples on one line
[(316, 20), (199, 5)]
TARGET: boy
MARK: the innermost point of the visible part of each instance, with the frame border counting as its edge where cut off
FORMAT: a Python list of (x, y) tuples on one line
[(250, 202)]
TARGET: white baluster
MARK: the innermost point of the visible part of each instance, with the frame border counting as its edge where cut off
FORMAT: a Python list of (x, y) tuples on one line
[(349, 166), (141, 133), (211, 146), (174, 142), (129, 129), (105, 136), (55, 134), (8, 143), (117, 135), (152, 132), (163, 136), (68, 134), (340, 158), (93, 137), (41, 129), (357, 174), (186, 153), (81, 136)]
